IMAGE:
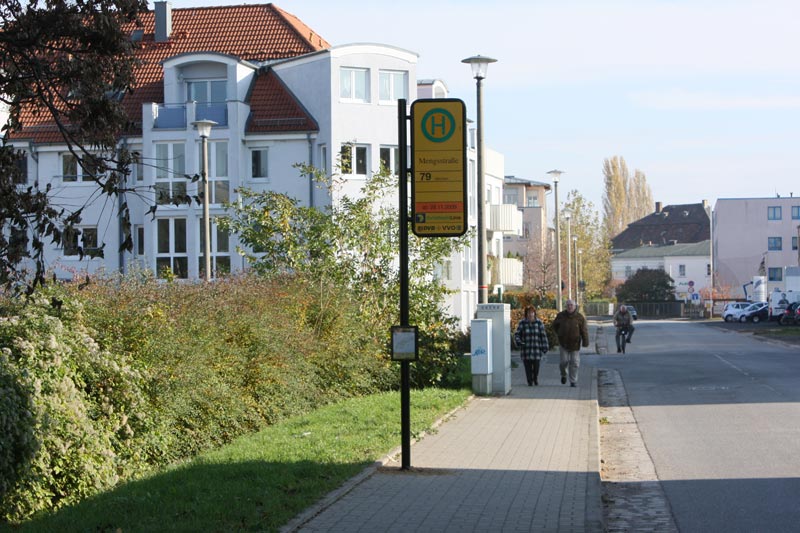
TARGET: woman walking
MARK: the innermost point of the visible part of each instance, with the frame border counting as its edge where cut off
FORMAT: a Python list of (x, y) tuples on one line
[(532, 340)]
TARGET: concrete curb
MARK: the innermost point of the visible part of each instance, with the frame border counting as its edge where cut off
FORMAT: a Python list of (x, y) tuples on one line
[(594, 488)]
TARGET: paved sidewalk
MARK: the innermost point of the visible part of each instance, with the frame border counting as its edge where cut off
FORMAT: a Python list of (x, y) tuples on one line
[(529, 461)]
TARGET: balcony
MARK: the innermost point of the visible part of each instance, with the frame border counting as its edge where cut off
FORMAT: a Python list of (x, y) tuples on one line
[(508, 272), (174, 116), (505, 218)]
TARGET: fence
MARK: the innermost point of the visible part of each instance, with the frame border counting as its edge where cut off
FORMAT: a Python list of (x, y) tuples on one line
[(671, 309)]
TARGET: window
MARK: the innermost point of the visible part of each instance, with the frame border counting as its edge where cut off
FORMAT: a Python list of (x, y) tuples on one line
[(259, 159), (390, 159), (220, 251), (682, 270), (796, 212), (533, 200), (171, 257), (219, 185), (323, 159), (774, 243), (526, 230), (138, 167), (71, 170), (80, 241), (354, 84), (628, 272), (775, 274), (17, 242), (511, 196), (794, 243), (207, 91), (774, 213), (393, 85), (21, 163), (354, 159), (170, 183), (138, 239), (708, 269)]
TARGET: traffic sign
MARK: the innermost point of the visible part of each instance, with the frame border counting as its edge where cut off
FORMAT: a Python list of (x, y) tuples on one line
[(439, 167)]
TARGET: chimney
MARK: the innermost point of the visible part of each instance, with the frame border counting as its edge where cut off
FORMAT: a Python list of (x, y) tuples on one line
[(163, 21), (705, 204), (658, 207)]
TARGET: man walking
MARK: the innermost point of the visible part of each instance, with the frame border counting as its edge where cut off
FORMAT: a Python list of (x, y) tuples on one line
[(570, 327)]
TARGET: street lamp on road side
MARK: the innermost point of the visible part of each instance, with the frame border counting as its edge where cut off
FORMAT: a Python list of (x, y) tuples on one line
[(480, 65), (577, 279), (556, 174), (204, 130), (568, 216)]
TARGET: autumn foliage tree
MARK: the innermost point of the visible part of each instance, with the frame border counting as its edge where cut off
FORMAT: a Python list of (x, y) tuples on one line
[(626, 198)]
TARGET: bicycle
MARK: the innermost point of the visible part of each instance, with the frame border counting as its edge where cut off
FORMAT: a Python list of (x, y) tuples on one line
[(622, 331)]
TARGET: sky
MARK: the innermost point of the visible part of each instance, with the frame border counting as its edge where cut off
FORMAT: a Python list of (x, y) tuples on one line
[(703, 96)]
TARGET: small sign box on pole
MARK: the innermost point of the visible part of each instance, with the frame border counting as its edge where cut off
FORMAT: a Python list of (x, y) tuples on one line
[(439, 167), (404, 343)]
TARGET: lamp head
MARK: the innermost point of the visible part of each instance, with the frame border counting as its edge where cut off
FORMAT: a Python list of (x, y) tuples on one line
[(556, 174), (479, 64), (204, 127)]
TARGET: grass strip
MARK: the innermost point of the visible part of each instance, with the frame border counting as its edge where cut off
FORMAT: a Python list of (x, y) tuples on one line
[(261, 481)]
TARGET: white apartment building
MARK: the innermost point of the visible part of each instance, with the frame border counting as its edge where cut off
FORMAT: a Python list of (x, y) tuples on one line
[(280, 95), (687, 264)]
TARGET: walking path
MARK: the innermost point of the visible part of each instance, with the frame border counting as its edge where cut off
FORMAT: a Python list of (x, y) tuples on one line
[(528, 461)]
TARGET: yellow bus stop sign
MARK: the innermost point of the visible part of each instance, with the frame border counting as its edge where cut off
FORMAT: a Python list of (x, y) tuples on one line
[(439, 167)]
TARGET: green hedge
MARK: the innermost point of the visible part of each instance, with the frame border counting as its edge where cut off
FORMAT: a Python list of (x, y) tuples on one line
[(107, 381)]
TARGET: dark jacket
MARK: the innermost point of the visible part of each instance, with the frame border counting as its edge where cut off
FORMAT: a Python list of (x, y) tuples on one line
[(531, 339), (623, 319), (571, 330)]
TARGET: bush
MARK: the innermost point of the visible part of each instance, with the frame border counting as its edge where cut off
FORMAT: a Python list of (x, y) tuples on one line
[(72, 407), (105, 381)]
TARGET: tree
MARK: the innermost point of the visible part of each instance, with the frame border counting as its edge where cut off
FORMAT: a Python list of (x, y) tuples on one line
[(353, 245), (647, 285), (640, 196), (616, 177), (539, 264), (69, 62), (625, 199), (591, 241)]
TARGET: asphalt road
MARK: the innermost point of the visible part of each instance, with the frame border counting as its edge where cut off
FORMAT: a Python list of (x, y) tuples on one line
[(719, 412)]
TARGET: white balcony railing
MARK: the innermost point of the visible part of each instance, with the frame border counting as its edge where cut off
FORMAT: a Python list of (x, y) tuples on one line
[(510, 272), (505, 218)]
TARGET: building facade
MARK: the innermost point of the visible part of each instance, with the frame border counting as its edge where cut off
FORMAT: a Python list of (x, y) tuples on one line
[(279, 96), (754, 237)]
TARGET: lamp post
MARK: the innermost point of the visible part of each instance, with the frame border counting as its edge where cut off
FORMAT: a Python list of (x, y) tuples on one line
[(568, 216), (577, 279), (556, 174), (480, 65), (204, 130), (580, 271)]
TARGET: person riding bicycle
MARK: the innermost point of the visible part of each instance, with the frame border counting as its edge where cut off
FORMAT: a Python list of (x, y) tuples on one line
[(623, 319)]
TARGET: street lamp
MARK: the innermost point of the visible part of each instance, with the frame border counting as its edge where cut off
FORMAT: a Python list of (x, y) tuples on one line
[(556, 174), (204, 130), (577, 279), (580, 271), (568, 216), (480, 65)]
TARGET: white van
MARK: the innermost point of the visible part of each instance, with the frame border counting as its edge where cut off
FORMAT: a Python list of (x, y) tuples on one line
[(780, 300)]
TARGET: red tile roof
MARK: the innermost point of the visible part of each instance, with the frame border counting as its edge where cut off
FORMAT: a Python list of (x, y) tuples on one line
[(250, 32), (273, 108)]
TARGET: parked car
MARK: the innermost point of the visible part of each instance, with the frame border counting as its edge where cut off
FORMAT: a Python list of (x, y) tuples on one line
[(791, 315), (755, 313), (733, 310), (632, 311)]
